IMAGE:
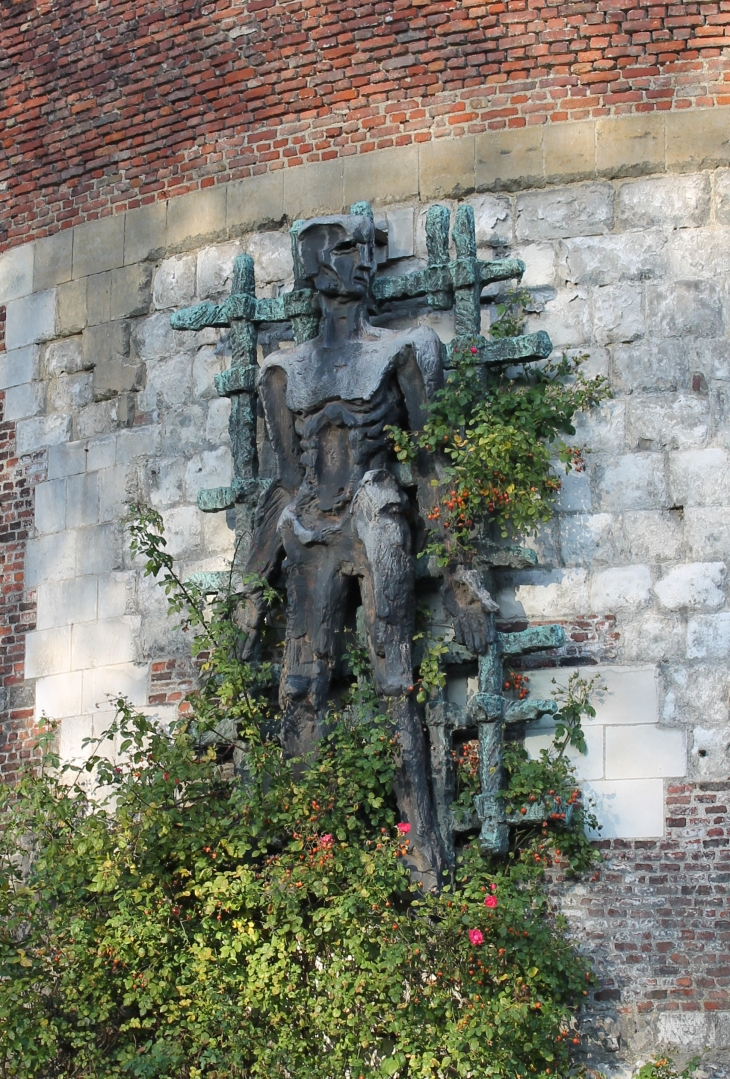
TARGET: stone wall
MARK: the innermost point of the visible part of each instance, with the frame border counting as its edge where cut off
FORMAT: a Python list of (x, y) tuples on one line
[(103, 402)]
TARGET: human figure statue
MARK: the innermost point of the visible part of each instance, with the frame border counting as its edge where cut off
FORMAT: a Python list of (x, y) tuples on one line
[(336, 510)]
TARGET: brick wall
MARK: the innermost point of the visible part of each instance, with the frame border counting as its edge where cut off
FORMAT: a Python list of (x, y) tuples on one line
[(109, 106), (655, 919), (17, 605)]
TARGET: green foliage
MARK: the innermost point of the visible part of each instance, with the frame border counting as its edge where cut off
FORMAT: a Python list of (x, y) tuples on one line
[(500, 435), (663, 1068), (510, 319), (162, 918), (545, 792)]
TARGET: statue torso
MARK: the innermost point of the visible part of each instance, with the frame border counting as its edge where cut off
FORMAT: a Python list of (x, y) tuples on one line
[(341, 406)]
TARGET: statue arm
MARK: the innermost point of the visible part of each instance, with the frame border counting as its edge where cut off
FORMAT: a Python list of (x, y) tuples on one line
[(472, 608), (266, 546)]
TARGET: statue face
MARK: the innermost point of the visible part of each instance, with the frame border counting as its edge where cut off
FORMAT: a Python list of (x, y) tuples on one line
[(338, 256)]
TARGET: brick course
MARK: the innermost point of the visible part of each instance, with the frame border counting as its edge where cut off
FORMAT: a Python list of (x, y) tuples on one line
[(17, 606), (111, 106)]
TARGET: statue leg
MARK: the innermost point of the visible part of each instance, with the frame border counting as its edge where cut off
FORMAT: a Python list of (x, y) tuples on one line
[(387, 586), (316, 598)]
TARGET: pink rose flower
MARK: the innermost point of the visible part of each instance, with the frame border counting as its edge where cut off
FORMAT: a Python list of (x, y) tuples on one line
[(476, 937), (326, 840), (490, 901), (403, 827)]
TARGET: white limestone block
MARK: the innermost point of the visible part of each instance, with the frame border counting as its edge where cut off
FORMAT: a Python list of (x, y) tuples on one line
[(50, 506), (169, 383), (218, 537), (630, 696), (628, 808), (574, 495), (543, 594), (216, 424), (620, 587), (677, 423), (710, 753), (103, 643), (114, 594), (97, 549), (567, 319), (212, 468), (652, 536), (64, 357), (207, 363), (50, 558), (645, 752), (685, 1028), (101, 452), (653, 638), (492, 220), (700, 477), (539, 260), (708, 636), (82, 500), (400, 232), (707, 530), (114, 491), (165, 477), (63, 603), (137, 442), (67, 459), (697, 584), (174, 282), (696, 693), (40, 432), (30, 319), (182, 530), (58, 695), (16, 272), (271, 253), (24, 401), (19, 366), (215, 269), (587, 765), (47, 651), (119, 680), (605, 260), (74, 730)]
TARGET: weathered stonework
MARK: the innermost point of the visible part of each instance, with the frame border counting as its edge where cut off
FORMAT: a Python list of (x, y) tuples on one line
[(104, 400)]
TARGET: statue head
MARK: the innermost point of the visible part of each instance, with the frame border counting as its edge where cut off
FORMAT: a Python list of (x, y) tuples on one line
[(337, 254)]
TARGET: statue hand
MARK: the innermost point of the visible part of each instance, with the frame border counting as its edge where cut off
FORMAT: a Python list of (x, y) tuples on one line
[(248, 617), (472, 607)]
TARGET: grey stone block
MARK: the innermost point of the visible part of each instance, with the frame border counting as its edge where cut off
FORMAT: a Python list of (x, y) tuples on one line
[(101, 452), (16, 273), (400, 232), (53, 260), (69, 393), (382, 176), (41, 432), (199, 214), (114, 377), (317, 189), (256, 202), (699, 253), (688, 308), (145, 233), (446, 168), (113, 492), (137, 442), (650, 365), (586, 210), (673, 201), (652, 536), (131, 291), (700, 477), (629, 256), (95, 419), (618, 314), (215, 269), (71, 307), (19, 366), (102, 344), (64, 357), (668, 422), (509, 160), (630, 145), (82, 500), (174, 283), (98, 246), (98, 298), (631, 481), (24, 401), (569, 151), (722, 196), (30, 319), (66, 460), (492, 220), (50, 506)]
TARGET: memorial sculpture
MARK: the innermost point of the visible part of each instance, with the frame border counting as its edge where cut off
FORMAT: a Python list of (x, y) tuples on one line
[(339, 506)]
